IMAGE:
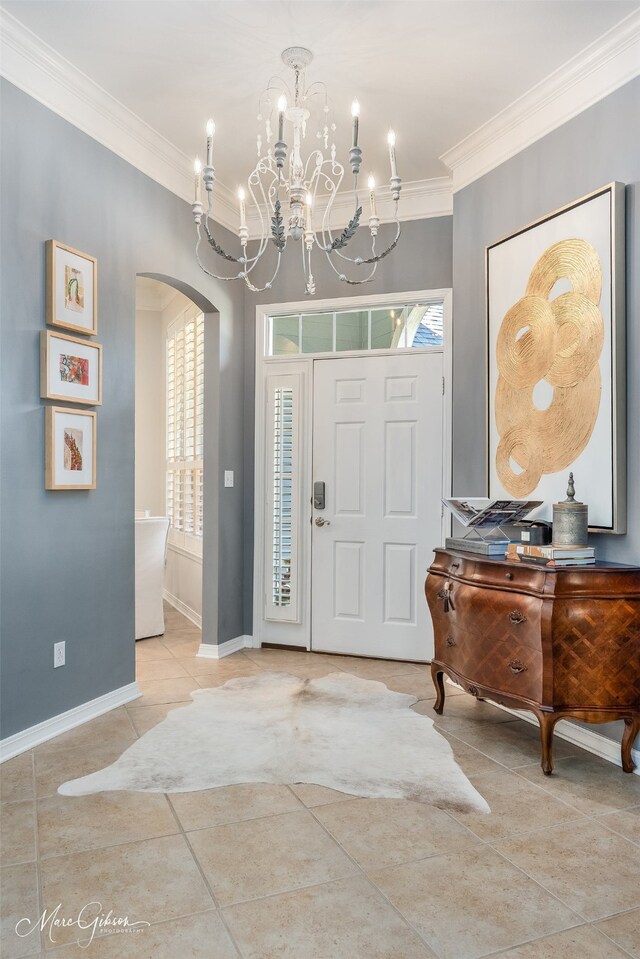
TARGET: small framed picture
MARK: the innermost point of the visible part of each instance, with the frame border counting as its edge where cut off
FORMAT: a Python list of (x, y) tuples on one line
[(70, 369), (70, 451), (72, 289)]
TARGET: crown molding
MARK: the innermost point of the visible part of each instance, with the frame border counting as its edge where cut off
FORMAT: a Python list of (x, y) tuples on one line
[(38, 69), (35, 67), (598, 70)]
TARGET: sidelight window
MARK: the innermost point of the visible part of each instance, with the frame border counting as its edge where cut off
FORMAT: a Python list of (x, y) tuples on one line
[(283, 477)]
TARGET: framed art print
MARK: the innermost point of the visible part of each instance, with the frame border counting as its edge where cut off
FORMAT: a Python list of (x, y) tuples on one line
[(72, 289), (70, 369), (556, 348), (70, 451)]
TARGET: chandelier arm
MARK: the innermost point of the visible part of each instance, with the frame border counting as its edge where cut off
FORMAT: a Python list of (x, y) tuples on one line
[(264, 233), (251, 262), (392, 246), (344, 279), (203, 267), (310, 92), (334, 245), (367, 279), (342, 276), (310, 177), (374, 258), (326, 218), (268, 285), (276, 83), (216, 246), (347, 234)]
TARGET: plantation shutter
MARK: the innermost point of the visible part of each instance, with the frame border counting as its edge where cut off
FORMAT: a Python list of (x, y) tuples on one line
[(185, 429), (283, 497)]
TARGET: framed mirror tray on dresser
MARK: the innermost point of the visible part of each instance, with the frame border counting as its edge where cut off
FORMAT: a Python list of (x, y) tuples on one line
[(563, 643)]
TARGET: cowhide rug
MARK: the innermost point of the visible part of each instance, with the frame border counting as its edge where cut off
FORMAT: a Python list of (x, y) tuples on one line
[(350, 734)]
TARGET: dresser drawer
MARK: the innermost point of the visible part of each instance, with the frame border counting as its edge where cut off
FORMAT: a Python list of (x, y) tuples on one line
[(453, 564), (505, 665), (513, 575), (494, 615)]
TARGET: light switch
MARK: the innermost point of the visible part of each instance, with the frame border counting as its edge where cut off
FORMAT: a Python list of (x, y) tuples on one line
[(228, 477)]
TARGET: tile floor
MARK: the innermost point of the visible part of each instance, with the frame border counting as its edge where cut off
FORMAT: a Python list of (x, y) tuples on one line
[(302, 872)]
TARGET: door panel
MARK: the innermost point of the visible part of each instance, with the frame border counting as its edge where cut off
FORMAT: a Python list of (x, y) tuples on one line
[(377, 444)]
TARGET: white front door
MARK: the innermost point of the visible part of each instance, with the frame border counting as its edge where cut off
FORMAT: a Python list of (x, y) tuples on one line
[(377, 446)]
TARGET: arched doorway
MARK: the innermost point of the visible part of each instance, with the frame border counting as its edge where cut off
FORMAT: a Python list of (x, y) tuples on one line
[(172, 290)]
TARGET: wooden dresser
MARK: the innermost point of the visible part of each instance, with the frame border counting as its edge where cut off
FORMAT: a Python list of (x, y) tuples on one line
[(563, 643)]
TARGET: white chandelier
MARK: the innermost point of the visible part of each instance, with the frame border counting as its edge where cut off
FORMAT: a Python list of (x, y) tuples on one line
[(309, 186)]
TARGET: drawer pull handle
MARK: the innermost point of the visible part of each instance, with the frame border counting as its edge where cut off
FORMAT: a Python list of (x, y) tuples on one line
[(508, 575), (445, 595), (517, 666), (455, 565), (516, 617), (451, 641)]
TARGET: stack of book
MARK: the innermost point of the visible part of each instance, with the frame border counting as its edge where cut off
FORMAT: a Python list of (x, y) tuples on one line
[(551, 555), (483, 547)]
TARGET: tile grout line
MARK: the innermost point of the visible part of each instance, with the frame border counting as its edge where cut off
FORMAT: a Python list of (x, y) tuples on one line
[(549, 792), (586, 925), (493, 759), (206, 882), (583, 919), (131, 723), (373, 886), (595, 925), (39, 877), (528, 942)]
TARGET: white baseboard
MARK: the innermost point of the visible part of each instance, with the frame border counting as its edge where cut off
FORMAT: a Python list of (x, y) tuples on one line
[(40, 733), (588, 739), (209, 651), (191, 614)]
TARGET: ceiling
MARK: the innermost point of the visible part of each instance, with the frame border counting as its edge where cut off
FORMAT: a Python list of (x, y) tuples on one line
[(435, 71)]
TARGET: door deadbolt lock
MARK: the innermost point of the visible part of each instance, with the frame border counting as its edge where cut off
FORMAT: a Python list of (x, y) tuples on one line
[(318, 495), (321, 521)]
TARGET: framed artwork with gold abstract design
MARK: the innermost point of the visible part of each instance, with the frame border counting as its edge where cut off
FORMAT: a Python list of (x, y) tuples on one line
[(556, 348)]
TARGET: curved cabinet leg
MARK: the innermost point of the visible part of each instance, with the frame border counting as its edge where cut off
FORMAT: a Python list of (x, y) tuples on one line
[(631, 730), (547, 724), (438, 681)]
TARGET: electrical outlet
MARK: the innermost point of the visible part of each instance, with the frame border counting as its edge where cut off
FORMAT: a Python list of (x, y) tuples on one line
[(58, 655), (228, 477)]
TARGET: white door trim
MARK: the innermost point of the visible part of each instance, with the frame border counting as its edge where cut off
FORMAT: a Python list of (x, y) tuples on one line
[(305, 362)]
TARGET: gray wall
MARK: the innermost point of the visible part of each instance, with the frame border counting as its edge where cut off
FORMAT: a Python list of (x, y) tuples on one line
[(422, 261), (598, 146), (66, 562)]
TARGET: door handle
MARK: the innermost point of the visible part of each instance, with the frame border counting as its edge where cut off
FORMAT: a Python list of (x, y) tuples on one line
[(321, 521)]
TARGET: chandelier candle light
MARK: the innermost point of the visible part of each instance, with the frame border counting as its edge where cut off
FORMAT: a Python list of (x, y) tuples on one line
[(281, 175)]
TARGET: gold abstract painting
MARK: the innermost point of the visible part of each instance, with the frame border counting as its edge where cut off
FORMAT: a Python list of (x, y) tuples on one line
[(557, 341), (556, 358)]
